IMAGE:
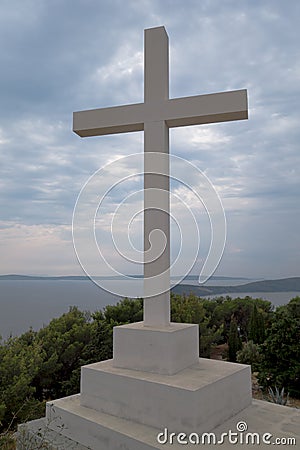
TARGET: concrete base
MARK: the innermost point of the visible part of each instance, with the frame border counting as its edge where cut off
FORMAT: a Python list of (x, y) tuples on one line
[(112, 399), (119, 434), (164, 350), (200, 397)]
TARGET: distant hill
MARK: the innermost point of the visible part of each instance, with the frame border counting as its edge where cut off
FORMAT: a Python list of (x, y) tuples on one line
[(281, 285), (14, 277), (214, 278)]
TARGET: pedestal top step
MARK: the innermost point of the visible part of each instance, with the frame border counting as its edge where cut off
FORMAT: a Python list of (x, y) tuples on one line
[(164, 350)]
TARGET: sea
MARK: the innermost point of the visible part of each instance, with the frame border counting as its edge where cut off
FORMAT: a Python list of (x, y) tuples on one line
[(33, 303)]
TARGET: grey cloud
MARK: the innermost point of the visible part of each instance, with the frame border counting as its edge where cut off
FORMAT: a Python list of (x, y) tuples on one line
[(62, 56)]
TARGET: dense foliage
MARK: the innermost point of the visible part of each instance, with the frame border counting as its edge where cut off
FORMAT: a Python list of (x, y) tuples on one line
[(281, 350), (43, 365)]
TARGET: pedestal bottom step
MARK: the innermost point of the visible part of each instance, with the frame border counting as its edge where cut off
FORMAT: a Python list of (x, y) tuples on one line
[(261, 417)]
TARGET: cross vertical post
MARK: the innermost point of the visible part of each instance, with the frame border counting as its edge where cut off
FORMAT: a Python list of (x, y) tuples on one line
[(156, 184)]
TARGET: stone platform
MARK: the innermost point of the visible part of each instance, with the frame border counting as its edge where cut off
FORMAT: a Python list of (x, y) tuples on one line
[(261, 417)]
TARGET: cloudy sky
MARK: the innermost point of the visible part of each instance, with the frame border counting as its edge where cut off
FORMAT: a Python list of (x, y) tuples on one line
[(61, 56)]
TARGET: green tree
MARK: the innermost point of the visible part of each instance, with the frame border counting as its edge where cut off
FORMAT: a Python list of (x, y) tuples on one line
[(64, 343), (187, 309), (256, 326), (281, 350), (221, 309), (101, 344), (191, 309), (20, 361), (125, 311), (250, 354), (234, 341)]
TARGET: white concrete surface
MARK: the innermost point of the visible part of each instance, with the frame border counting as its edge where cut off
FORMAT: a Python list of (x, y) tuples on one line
[(36, 435), (155, 116), (165, 350), (200, 397), (118, 434)]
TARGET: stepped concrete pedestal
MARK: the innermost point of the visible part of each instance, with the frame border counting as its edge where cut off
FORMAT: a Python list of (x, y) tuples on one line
[(122, 408), (198, 398), (155, 379), (119, 407)]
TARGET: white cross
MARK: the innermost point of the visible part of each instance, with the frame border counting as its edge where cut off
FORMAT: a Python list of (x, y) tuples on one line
[(155, 116)]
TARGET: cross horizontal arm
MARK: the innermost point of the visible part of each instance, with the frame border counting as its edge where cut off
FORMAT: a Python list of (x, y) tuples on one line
[(177, 112), (116, 119), (211, 108)]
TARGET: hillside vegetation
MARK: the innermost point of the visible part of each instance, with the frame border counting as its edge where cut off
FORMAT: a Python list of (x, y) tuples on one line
[(42, 365)]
